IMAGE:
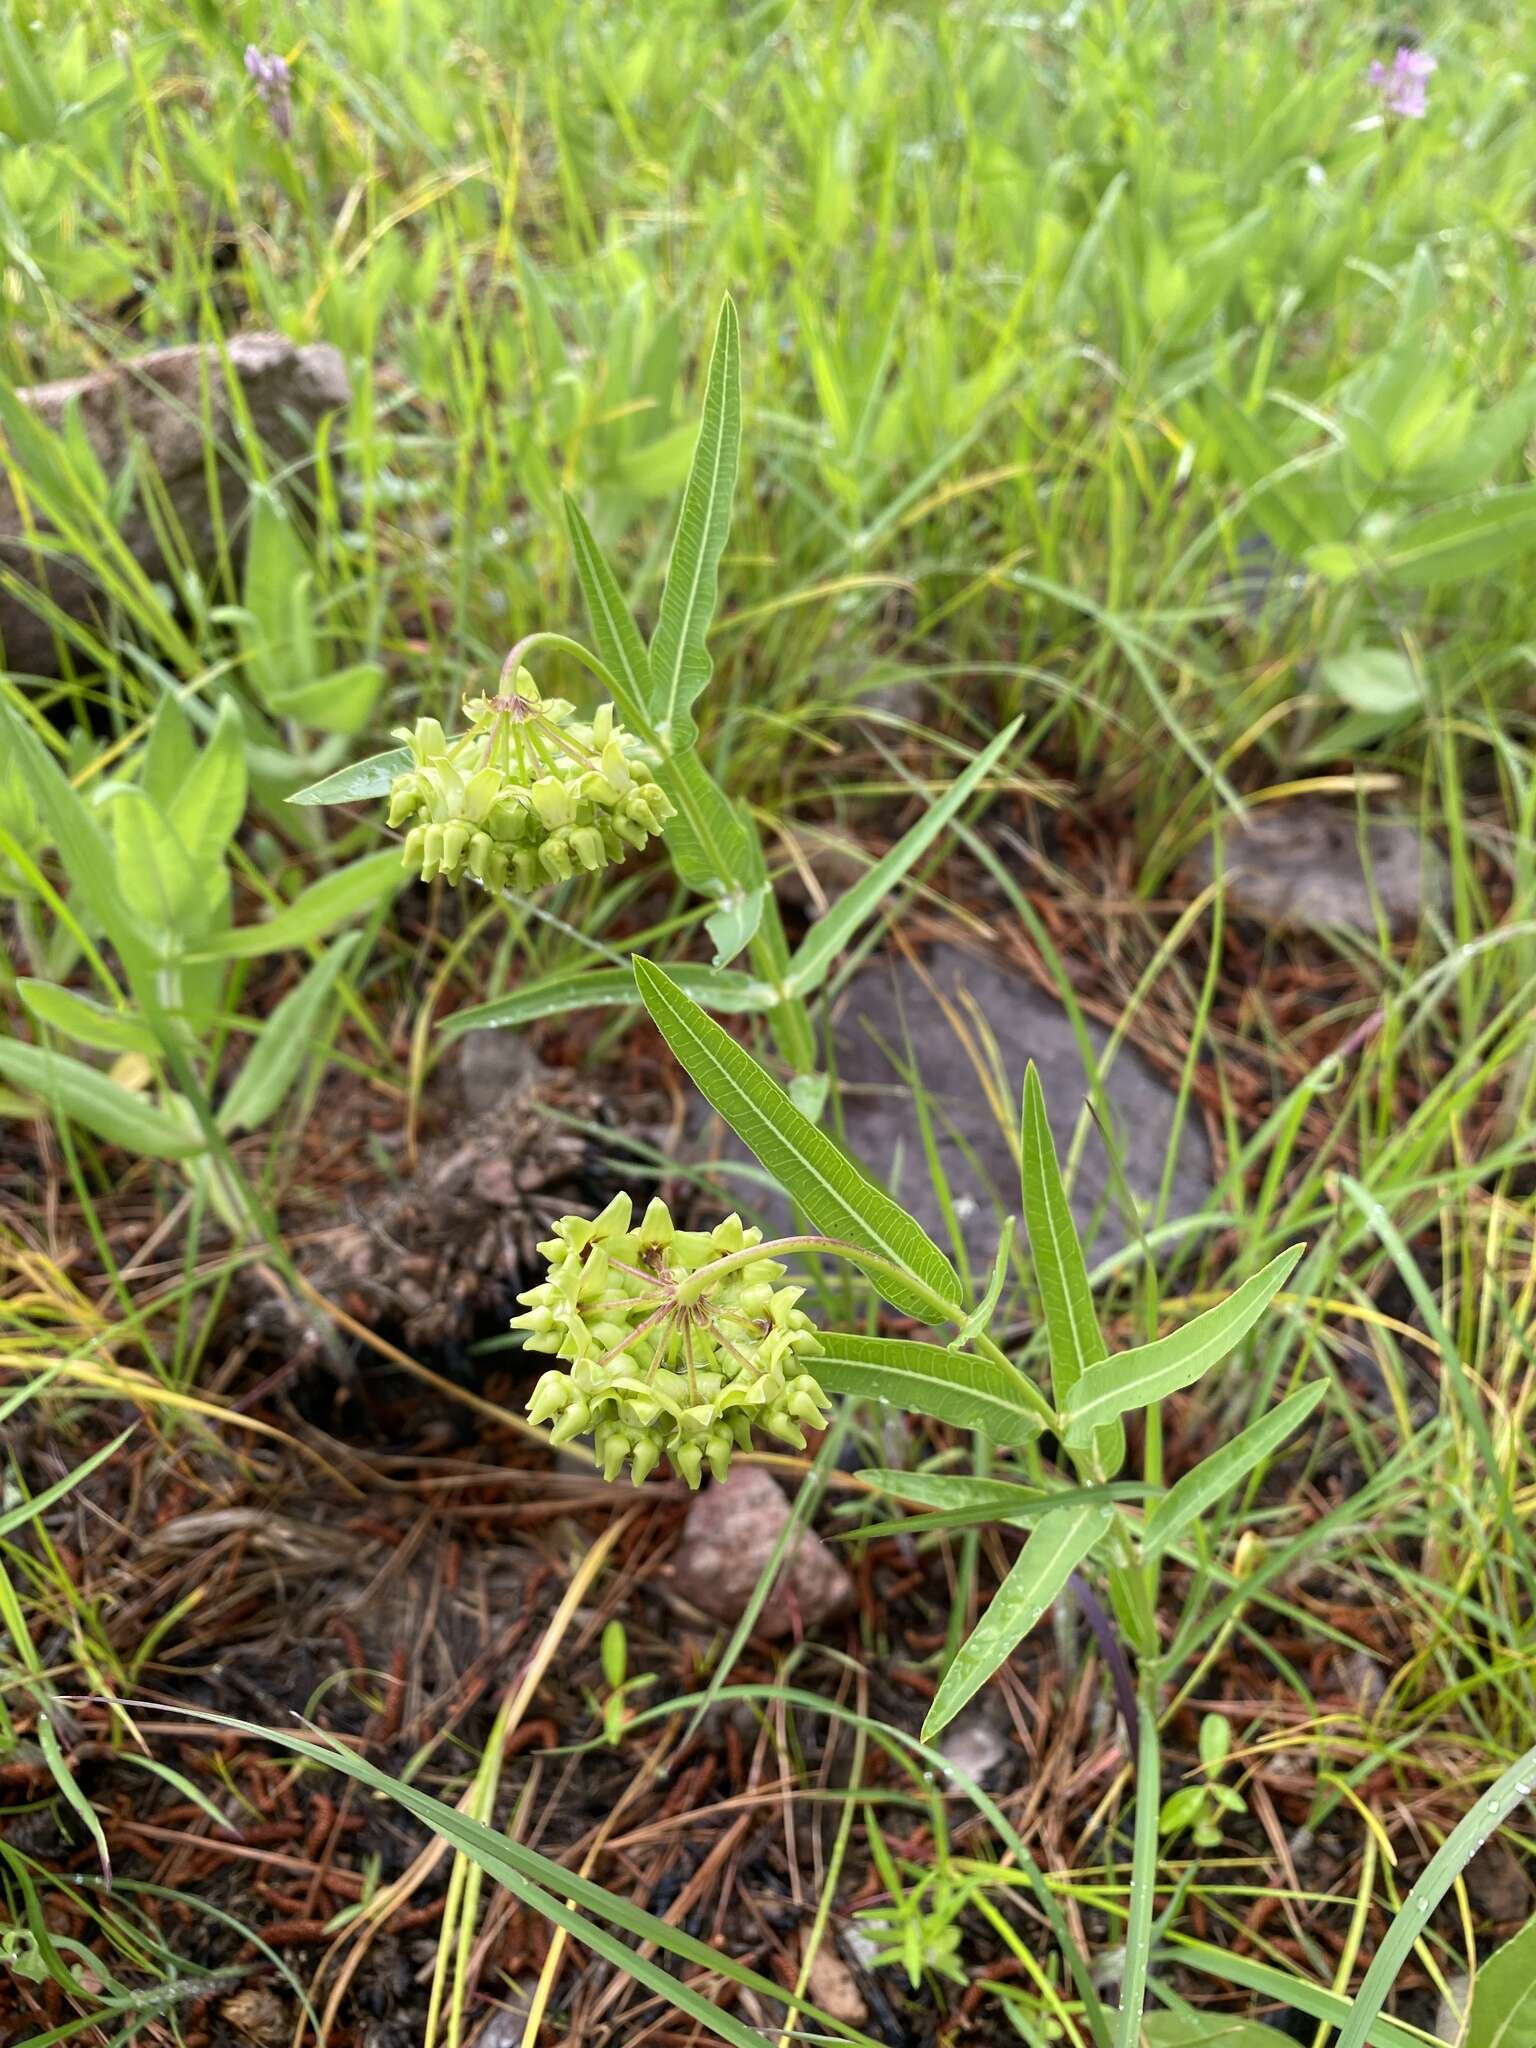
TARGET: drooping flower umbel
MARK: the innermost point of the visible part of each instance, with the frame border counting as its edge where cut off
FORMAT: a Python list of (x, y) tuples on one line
[(678, 1342), (529, 791), (1403, 84)]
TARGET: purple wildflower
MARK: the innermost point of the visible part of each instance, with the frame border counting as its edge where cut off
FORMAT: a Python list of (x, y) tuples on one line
[(1403, 83), (272, 79)]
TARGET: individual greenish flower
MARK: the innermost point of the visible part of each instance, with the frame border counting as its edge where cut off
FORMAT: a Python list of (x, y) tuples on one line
[(529, 792), (677, 1342)]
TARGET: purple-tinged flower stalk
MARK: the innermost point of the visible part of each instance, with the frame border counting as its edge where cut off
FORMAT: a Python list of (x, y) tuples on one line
[(273, 82), (1403, 84)]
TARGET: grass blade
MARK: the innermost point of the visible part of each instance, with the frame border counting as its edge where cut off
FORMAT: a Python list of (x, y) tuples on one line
[(561, 1896), (1412, 1917), (831, 933)]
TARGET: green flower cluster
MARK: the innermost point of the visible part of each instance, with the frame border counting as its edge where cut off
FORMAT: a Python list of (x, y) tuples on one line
[(529, 792), (676, 1345)]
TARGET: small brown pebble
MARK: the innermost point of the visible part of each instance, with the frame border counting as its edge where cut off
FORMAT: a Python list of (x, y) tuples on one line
[(729, 1537), (834, 1987), (257, 2014)]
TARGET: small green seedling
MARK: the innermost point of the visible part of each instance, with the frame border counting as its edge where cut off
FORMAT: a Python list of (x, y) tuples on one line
[(1198, 1808), (920, 1929), (613, 1708)]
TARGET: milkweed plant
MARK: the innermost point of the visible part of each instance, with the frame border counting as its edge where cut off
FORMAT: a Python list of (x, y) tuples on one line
[(676, 1349)]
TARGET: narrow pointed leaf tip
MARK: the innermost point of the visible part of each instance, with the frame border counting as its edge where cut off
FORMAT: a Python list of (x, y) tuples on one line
[(1053, 1552), (679, 656), (1061, 1271), (1135, 1379)]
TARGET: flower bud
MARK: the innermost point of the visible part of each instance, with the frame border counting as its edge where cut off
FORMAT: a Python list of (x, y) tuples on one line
[(574, 1420), (550, 1396), (689, 1460)]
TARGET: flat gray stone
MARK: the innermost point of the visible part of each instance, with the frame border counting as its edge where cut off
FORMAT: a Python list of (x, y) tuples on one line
[(890, 1004), (1300, 865), (166, 408)]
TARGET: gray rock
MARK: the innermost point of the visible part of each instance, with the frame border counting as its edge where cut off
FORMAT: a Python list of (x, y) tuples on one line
[(890, 1003), (729, 1537), (1497, 1884), (1300, 865), (167, 406), (495, 1067), (975, 1745), (1451, 2019)]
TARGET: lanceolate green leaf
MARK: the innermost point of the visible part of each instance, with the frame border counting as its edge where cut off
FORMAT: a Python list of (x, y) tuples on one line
[(154, 869), (926, 1379), (837, 1195), (170, 754), (72, 1089), (81, 845), (1061, 1273), (85, 1020), (714, 853), (1503, 2011), (324, 905), (1458, 541), (717, 988), (288, 1038), (954, 1501), (709, 845), (617, 636), (356, 784), (205, 810), (27, 1510), (829, 934), (1185, 1502), (679, 656), (1134, 1379), (981, 1315), (945, 1491), (1054, 1550)]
